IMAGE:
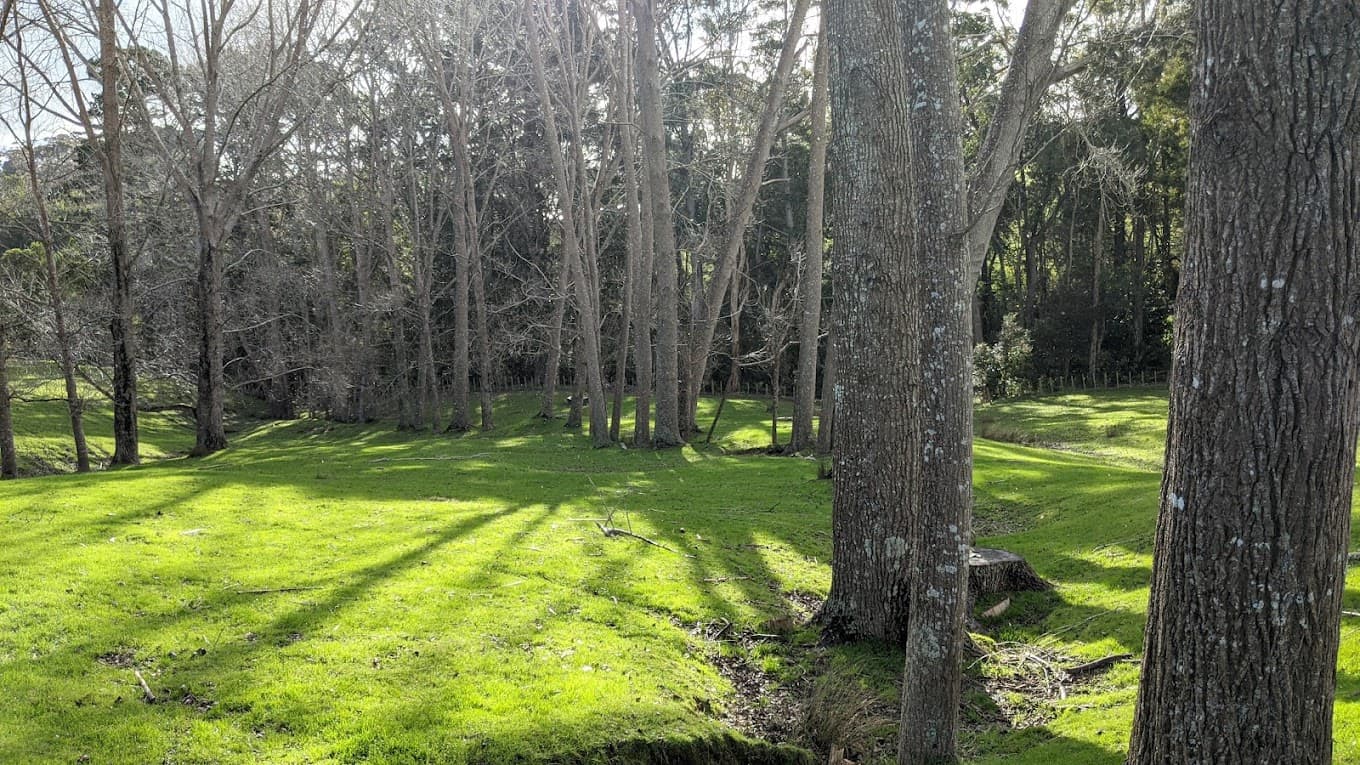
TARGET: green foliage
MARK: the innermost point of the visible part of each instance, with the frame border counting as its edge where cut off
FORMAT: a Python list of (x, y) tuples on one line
[(1004, 368)]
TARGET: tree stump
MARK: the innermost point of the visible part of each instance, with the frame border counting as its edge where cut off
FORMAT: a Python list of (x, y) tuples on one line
[(992, 571)]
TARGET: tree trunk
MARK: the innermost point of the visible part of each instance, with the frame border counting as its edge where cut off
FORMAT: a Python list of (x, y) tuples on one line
[(810, 316), (1030, 74), (1249, 566), (74, 406), (461, 419), (1097, 319), (211, 434), (638, 197), (1139, 288), (667, 431), (9, 462), (826, 421), (126, 450), (552, 366), (587, 298), (940, 533), (485, 361), (877, 323)]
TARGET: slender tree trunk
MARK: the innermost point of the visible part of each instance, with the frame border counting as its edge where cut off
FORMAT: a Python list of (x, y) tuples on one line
[(810, 317), (939, 537), (9, 461), (461, 419), (1097, 319), (1139, 288), (739, 216), (826, 421), (1250, 560), (641, 238), (74, 406), (211, 434), (485, 360), (552, 366), (1030, 74), (667, 431), (587, 297), (126, 450), (877, 323), (734, 303)]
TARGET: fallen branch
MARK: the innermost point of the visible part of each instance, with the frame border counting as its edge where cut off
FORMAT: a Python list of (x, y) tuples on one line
[(1098, 664), (146, 689), (432, 459), (611, 531), (1350, 613), (726, 578), (272, 590)]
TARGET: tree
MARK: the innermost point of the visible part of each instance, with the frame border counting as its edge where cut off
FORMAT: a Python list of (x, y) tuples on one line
[(1249, 568), (231, 108), (876, 320), (21, 127), (810, 298), (667, 431), (586, 289)]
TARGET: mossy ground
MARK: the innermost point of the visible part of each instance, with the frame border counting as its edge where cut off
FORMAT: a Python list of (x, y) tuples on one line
[(456, 603)]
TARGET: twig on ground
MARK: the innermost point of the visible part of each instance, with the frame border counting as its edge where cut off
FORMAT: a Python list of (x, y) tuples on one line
[(433, 459), (612, 531), (146, 689), (1098, 664), (271, 590)]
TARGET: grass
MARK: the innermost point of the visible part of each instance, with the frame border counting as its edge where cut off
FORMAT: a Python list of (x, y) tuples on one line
[(456, 603)]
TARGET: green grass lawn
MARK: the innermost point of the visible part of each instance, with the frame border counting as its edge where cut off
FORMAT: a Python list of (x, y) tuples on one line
[(332, 593)]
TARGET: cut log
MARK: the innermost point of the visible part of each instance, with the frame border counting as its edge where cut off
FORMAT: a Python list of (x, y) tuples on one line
[(991, 571)]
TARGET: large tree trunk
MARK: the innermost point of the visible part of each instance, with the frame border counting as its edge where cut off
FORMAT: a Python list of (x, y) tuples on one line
[(1249, 569), (876, 317), (667, 431), (810, 317), (940, 532), (126, 450)]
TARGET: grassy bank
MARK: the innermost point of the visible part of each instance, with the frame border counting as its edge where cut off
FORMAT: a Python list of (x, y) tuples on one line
[(333, 593)]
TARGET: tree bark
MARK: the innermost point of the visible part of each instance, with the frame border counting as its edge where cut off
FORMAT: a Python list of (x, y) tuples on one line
[(667, 431), (126, 450), (9, 461), (940, 532), (1249, 566), (827, 420), (638, 198), (210, 434), (810, 317), (877, 323)]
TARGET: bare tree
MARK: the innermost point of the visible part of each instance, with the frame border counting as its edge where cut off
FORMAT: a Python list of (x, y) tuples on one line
[(587, 295), (810, 296), (21, 127), (231, 89)]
